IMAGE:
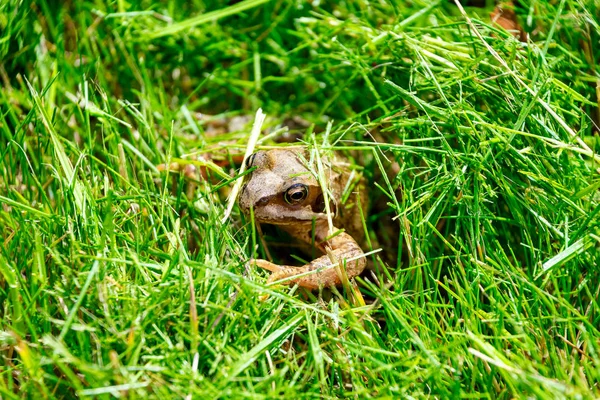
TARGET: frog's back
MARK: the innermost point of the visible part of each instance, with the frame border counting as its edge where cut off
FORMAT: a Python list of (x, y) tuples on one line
[(353, 202)]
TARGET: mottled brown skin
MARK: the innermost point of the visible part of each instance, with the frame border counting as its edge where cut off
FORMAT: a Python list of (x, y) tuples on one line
[(283, 192)]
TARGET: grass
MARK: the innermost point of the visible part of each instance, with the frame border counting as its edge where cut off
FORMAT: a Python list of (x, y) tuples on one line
[(115, 283)]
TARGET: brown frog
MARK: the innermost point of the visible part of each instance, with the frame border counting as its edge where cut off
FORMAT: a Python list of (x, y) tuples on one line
[(283, 190)]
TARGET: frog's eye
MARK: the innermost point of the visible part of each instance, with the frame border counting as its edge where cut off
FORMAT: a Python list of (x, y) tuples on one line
[(296, 193), (250, 160)]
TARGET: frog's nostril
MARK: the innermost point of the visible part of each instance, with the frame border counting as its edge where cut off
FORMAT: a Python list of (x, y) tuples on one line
[(262, 201)]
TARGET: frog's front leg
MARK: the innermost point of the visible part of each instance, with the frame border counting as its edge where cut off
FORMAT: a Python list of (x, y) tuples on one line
[(321, 272)]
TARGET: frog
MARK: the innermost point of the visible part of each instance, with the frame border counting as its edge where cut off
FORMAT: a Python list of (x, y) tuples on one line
[(283, 190)]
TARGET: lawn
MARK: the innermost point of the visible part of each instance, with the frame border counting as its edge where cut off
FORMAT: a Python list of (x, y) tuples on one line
[(481, 151)]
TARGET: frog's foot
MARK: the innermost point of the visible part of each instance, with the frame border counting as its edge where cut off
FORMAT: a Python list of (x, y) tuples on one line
[(264, 264), (280, 272), (188, 170), (269, 266), (321, 272)]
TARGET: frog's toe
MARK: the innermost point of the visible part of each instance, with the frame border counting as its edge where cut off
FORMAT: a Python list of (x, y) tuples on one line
[(264, 264), (278, 272)]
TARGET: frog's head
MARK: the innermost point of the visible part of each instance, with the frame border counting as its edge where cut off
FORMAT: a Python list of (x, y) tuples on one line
[(281, 189)]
